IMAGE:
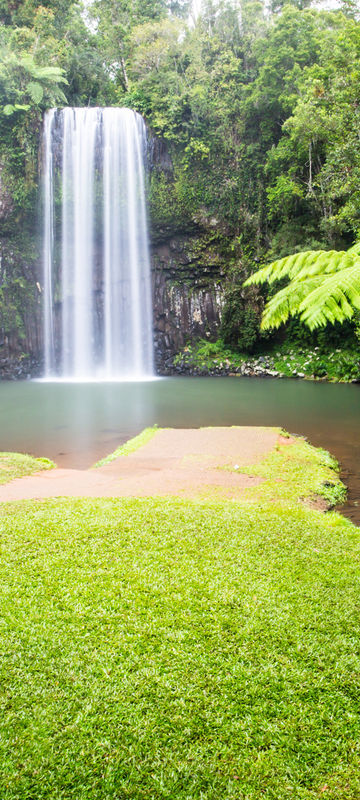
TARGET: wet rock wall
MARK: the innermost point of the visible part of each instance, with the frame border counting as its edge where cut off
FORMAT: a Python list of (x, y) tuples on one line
[(187, 297)]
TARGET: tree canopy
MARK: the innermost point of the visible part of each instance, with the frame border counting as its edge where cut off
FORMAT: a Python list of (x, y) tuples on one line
[(258, 107)]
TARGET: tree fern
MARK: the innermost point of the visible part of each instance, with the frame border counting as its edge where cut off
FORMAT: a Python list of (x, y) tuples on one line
[(286, 302), (36, 92), (335, 300), (287, 267), (24, 83), (324, 286)]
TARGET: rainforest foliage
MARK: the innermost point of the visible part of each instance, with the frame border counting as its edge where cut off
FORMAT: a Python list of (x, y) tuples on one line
[(324, 286), (258, 104)]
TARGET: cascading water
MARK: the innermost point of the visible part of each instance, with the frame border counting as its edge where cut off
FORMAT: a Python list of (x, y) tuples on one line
[(97, 295)]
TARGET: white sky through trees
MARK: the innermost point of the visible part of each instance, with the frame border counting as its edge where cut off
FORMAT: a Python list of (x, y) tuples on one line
[(324, 4)]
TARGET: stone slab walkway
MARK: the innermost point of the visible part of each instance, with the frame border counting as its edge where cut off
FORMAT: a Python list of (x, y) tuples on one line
[(175, 462)]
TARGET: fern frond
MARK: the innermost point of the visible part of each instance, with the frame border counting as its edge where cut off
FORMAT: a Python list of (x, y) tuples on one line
[(355, 249), (303, 265), (324, 286), (287, 267), (334, 300), (285, 303), (47, 74), (36, 92), (328, 262)]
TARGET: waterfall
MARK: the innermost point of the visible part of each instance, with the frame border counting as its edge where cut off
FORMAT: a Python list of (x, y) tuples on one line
[(97, 294), (48, 250)]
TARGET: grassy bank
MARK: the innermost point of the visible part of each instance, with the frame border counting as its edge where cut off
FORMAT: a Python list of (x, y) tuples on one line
[(178, 650), (296, 473), (129, 447), (16, 465)]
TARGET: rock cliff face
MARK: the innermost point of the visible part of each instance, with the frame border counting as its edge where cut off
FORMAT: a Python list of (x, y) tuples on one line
[(187, 266), (187, 297)]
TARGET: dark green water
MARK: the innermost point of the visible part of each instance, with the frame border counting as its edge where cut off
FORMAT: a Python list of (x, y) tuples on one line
[(76, 424)]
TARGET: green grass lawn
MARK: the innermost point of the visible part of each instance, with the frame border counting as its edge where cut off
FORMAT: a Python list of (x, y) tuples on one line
[(157, 649)]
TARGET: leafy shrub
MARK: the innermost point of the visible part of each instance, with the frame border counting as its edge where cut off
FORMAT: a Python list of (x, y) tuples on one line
[(240, 324)]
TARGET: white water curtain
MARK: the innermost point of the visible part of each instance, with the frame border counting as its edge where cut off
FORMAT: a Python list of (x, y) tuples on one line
[(97, 273)]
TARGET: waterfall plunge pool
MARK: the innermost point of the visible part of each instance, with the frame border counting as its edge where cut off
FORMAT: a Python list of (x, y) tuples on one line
[(75, 424)]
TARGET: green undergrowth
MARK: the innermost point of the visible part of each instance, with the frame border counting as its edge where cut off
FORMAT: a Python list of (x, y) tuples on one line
[(333, 365), (130, 446), (208, 355), (168, 649), (294, 472), (316, 363), (17, 465)]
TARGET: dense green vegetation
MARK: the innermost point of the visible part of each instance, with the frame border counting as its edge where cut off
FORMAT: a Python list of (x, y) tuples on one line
[(259, 111), (171, 649), (286, 360)]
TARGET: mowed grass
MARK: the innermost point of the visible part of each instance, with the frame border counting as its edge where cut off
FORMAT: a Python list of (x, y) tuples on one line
[(154, 649), (17, 465)]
